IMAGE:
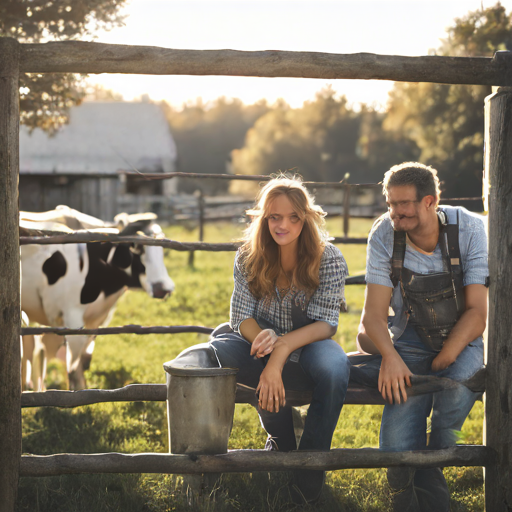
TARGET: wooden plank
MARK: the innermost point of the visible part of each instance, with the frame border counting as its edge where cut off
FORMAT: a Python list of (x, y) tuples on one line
[(237, 177), (498, 407), (130, 393), (50, 238), (238, 461), (244, 394), (125, 329), (10, 378), (85, 57)]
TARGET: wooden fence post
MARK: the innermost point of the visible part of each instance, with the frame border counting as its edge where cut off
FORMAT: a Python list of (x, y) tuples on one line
[(346, 210), (10, 390), (498, 406), (200, 207)]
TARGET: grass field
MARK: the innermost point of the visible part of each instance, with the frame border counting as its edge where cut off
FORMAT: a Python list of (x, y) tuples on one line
[(201, 298)]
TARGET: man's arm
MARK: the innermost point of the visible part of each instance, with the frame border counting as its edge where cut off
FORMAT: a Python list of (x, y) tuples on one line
[(470, 326), (394, 374)]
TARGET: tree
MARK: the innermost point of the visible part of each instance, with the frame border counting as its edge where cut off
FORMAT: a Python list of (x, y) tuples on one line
[(319, 141), (46, 98), (446, 122), (205, 135)]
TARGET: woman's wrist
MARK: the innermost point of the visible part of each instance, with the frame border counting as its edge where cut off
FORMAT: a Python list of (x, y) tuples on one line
[(280, 353)]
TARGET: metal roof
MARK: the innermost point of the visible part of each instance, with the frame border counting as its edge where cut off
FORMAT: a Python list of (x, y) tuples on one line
[(102, 137)]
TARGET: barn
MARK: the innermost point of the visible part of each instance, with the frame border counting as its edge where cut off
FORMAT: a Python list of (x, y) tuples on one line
[(81, 165)]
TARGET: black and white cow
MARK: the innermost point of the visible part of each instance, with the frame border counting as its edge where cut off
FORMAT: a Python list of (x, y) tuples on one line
[(78, 285)]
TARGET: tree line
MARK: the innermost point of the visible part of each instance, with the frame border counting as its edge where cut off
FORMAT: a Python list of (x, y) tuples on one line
[(327, 139)]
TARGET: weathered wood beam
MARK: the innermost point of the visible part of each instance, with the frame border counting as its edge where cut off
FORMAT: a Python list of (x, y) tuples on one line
[(10, 379), (130, 393), (86, 237), (126, 329), (421, 384), (498, 407), (84, 57), (50, 238), (241, 177), (238, 461)]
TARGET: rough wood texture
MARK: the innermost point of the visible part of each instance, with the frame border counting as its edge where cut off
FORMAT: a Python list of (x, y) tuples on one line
[(244, 394), (498, 429), (83, 57), (10, 416), (49, 238), (126, 329), (85, 237), (250, 460), (242, 177), (130, 393)]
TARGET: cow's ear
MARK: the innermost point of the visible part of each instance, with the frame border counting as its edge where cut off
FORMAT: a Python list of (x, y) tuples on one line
[(122, 256)]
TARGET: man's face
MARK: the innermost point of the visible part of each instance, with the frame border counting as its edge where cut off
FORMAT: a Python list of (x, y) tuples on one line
[(406, 212)]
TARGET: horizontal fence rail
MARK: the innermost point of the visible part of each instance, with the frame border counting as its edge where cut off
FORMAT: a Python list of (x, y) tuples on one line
[(238, 461), (241, 177), (420, 385), (60, 398), (125, 329), (86, 57), (158, 393), (86, 237)]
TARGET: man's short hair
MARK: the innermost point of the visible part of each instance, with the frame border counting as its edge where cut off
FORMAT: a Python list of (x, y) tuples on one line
[(423, 177)]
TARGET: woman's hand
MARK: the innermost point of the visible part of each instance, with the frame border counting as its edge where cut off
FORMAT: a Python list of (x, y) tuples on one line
[(271, 389), (264, 343), (393, 377)]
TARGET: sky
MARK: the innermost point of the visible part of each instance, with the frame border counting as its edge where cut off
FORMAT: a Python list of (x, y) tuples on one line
[(386, 27)]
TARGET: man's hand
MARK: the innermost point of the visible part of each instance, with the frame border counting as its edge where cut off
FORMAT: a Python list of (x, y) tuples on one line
[(444, 359), (394, 376), (271, 389), (264, 343)]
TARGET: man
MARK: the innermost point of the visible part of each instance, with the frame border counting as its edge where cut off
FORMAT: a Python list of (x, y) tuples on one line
[(429, 264)]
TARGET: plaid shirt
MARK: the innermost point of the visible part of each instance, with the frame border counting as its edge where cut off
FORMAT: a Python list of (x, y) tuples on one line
[(276, 311)]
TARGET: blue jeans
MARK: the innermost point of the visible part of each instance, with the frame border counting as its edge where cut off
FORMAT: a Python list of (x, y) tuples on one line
[(323, 368), (404, 426)]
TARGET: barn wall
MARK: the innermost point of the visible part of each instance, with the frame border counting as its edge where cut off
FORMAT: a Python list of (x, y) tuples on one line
[(94, 196)]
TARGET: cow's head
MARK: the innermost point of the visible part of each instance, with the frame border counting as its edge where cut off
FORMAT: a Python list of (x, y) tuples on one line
[(148, 268)]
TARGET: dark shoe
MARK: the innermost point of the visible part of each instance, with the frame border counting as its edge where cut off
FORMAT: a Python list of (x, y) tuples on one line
[(401, 482), (400, 478), (306, 488), (432, 490)]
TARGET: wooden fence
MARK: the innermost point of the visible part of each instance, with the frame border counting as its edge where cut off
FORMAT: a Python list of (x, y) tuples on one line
[(80, 57)]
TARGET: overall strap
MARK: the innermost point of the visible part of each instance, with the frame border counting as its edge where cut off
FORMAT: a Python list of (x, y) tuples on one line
[(452, 232), (397, 260)]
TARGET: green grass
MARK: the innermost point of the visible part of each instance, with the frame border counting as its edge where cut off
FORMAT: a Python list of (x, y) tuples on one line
[(201, 298)]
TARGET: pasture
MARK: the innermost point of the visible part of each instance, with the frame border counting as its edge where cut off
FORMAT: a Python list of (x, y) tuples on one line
[(201, 298)]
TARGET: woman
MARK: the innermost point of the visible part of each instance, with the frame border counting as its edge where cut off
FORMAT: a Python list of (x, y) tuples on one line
[(289, 284)]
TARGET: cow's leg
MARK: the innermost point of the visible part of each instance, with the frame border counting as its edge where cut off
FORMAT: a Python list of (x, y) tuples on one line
[(76, 347), (52, 343), (27, 351), (87, 355), (39, 361)]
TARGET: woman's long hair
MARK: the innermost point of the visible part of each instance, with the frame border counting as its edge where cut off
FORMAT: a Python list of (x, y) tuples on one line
[(260, 253)]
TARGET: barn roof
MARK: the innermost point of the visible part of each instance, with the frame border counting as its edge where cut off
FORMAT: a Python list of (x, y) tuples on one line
[(102, 137)]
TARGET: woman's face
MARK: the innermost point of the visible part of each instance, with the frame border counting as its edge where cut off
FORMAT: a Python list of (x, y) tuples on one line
[(283, 222)]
